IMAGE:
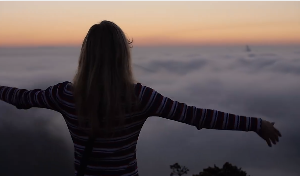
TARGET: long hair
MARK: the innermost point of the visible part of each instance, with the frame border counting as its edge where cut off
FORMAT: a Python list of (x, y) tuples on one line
[(103, 86)]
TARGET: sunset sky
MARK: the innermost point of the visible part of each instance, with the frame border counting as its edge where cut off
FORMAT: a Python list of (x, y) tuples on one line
[(152, 23)]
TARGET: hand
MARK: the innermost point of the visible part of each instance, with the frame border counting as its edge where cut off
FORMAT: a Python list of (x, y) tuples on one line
[(269, 133)]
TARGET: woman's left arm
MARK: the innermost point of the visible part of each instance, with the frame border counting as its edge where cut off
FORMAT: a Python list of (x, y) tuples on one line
[(26, 99)]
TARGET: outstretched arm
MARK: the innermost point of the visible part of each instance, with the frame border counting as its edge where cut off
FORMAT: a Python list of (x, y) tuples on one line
[(158, 105), (25, 99)]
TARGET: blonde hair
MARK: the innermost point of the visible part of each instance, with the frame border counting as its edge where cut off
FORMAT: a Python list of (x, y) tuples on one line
[(103, 86)]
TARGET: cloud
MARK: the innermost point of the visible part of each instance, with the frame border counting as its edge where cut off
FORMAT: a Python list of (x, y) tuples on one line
[(226, 79), (29, 147), (179, 67)]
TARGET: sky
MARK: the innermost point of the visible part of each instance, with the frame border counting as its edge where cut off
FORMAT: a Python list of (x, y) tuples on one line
[(262, 83), (152, 23)]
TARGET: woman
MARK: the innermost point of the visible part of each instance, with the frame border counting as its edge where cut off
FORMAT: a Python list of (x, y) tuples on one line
[(105, 104)]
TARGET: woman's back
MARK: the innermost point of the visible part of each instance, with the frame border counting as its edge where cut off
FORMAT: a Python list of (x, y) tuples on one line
[(110, 156)]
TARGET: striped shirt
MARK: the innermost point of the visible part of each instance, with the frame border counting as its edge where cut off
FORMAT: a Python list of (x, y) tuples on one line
[(117, 156)]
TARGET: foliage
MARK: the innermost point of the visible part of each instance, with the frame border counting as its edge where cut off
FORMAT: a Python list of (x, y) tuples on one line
[(178, 170), (227, 170)]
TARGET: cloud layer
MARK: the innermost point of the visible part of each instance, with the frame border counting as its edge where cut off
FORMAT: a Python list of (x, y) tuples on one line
[(262, 83)]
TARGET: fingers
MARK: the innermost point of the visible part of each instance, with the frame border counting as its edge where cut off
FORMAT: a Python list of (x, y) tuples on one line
[(275, 136), (270, 134), (268, 142), (277, 132), (273, 139)]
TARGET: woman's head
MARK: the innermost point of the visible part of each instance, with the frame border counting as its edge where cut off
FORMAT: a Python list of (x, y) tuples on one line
[(103, 85)]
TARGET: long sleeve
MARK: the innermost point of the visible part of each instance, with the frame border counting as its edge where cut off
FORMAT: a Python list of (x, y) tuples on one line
[(158, 105), (25, 99)]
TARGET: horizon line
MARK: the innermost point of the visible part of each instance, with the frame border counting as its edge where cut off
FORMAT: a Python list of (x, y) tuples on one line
[(157, 45)]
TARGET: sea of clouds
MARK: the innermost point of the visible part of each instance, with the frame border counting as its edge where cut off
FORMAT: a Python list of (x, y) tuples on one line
[(262, 83)]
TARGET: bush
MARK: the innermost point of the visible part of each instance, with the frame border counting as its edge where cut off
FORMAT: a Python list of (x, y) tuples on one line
[(227, 170)]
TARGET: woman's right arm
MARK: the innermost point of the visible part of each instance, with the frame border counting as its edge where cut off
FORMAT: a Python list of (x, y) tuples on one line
[(156, 104)]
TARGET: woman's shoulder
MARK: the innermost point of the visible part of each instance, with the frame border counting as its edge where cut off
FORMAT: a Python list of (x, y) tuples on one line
[(67, 85), (142, 85), (68, 82), (144, 89), (138, 85)]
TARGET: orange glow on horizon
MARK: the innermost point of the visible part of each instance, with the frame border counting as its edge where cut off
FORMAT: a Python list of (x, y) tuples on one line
[(152, 23)]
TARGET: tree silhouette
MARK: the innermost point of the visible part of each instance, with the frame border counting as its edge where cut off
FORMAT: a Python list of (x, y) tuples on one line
[(178, 170), (227, 170)]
